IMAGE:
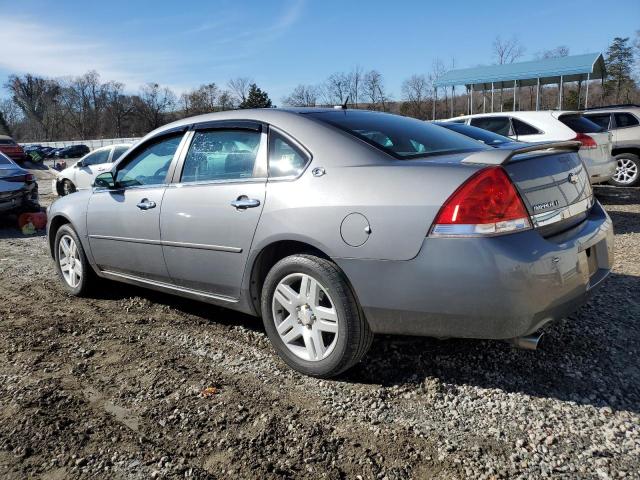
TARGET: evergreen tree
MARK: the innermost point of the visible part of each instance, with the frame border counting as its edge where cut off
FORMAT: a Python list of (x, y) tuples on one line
[(619, 63), (256, 98)]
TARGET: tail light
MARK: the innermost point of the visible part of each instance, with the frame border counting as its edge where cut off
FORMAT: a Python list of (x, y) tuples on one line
[(586, 141), (486, 204), (29, 178)]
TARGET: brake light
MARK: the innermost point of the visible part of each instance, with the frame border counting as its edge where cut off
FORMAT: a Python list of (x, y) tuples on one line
[(29, 178), (586, 141), (486, 204)]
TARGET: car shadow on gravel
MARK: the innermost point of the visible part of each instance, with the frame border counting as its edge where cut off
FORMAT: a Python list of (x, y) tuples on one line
[(9, 229), (625, 222), (590, 358), (610, 195)]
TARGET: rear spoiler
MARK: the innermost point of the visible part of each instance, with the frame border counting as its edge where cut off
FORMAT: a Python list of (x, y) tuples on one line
[(497, 156)]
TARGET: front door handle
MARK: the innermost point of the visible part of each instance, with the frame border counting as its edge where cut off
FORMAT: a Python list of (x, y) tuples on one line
[(146, 204), (243, 202)]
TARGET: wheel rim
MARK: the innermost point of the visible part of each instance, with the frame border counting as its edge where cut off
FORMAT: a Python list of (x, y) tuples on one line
[(69, 261), (305, 317), (66, 186), (626, 171)]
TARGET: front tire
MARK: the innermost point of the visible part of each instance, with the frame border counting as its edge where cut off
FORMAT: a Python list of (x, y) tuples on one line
[(72, 266), (312, 317), (627, 171)]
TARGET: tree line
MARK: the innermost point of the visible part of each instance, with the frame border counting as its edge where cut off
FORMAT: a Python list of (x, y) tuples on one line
[(85, 107)]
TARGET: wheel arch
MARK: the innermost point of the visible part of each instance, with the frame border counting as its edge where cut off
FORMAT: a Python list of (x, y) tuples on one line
[(634, 149), (56, 222)]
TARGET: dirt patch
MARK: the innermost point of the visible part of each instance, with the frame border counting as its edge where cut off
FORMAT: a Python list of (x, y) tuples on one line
[(113, 386)]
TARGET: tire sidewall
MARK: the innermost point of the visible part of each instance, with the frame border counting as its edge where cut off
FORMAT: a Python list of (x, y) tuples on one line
[(635, 159), (304, 264), (86, 268)]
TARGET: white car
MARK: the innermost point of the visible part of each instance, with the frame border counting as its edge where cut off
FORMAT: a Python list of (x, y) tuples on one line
[(81, 174), (557, 125)]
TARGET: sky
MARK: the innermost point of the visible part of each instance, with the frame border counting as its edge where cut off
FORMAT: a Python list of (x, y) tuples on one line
[(282, 43)]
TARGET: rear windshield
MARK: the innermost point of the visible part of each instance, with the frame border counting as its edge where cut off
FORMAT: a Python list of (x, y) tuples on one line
[(4, 160), (6, 141), (580, 124), (401, 137), (484, 136)]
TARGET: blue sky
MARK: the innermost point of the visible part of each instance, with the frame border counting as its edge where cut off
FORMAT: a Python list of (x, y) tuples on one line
[(281, 43)]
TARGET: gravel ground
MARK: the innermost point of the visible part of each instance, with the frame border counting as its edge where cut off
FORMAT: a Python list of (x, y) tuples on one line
[(137, 384)]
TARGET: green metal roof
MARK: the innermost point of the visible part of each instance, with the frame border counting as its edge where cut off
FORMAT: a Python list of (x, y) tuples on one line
[(572, 68)]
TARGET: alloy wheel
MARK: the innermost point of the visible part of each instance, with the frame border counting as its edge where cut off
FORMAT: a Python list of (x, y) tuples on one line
[(305, 317), (626, 171), (69, 261)]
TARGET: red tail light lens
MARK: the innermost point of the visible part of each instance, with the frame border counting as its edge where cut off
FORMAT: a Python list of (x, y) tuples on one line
[(586, 141), (486, 204), (29, 178)]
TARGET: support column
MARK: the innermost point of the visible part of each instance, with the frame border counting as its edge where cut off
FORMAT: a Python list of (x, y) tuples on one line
[(538, 95), (560, 92), (471, 101), (492, 89), (586, 95), (453, 93), (484, 99), (435, 100), (514, 95)]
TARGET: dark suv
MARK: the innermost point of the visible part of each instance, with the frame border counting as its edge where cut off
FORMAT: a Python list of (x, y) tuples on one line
[(73, 151)]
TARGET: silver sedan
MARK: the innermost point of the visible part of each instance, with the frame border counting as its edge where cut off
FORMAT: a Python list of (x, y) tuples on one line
[(335, 224)]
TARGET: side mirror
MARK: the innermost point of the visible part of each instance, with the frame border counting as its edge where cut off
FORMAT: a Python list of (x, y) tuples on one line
[(105, 180), (79, 164)]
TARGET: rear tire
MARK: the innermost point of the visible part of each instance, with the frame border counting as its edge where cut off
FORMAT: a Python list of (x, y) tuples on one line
[(322, 332), (74, 270), (627, 171)]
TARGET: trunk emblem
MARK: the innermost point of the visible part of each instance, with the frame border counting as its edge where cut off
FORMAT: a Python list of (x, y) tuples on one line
[(573, 178), (545, 205)]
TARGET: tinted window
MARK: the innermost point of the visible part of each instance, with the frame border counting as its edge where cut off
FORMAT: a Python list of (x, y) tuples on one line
[(4, 141), (150, 164), (484, 136), (117, 153), (580, 124), (285, 160), (399, 136), (625, 120), (499, 125), (522, 128), (4, 160), (221, 155), (101, 156), (600, 119)]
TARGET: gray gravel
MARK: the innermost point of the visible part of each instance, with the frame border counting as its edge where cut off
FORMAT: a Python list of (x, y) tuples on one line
[(115, 386)]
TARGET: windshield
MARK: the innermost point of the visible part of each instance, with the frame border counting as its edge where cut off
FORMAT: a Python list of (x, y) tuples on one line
[(580, 124), (401, 137), (484, 136)]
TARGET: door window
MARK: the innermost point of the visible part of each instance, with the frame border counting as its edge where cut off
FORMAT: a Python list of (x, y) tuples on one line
[(117, 153), (95, 158), (522, 128), (149, 164), (285, 159), (221, 155), (625, 120), (499, 125), (600, 119)]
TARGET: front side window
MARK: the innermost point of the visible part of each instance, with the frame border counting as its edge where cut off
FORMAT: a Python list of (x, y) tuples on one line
[(499, 125), (625, 120), (101, 156), (522, 128), (149, 164), (221, 155), (285, 159), (401, 137), (600, 119)]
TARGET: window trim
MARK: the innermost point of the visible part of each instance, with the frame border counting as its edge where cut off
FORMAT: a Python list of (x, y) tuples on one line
[(614, 122), (508, 117), (259, 168), (515, 132), (296, 144)]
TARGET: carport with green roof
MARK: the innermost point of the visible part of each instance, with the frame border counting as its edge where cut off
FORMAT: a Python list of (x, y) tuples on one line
[(560, 70)]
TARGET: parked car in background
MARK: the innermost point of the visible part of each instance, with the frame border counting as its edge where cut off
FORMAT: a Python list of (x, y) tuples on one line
[(82, 173), (336, 224), (624, 123), (484, 136), (11, 149), (545, 126), (73, 151), (18, 188)]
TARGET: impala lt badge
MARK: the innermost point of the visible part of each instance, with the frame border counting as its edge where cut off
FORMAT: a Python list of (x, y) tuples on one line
[(543, 206)]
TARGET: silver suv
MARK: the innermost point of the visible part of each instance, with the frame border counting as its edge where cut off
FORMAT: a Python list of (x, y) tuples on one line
[(624, 123)]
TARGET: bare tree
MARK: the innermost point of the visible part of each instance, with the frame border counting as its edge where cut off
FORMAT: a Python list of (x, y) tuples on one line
[(356, 77), (506, 51), (83, 99), (153, 104), (415, 92), (239, 88), (118, 106), (9, 116), (374, 91), (203, 99), (302, 96), (225, 100), (337, 88), (37, 98)]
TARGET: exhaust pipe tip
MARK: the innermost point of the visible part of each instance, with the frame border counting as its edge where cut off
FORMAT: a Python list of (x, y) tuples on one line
[(527, 342)]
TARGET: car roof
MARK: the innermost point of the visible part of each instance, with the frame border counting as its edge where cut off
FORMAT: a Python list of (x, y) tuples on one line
[(5, 137), (540, 114), (633, 109)]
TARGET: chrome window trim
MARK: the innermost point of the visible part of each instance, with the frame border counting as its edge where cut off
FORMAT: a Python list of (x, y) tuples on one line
[(553, 216), (166, 243)]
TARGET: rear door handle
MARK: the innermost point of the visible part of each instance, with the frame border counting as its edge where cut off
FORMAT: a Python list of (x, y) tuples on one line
[(146, 204), (243, 202)]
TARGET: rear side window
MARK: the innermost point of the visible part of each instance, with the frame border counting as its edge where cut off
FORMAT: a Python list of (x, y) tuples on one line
[(580, 124), (600, 119), (117, 153), (96, 158), (484, 136), (522, 128), (499, 125), (401, 137), (285, 159), (221, 155), (6, 141), (625, 120)]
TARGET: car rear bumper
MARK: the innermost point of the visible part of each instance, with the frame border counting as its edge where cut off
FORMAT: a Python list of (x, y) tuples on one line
[(602, 172), (495, 287)]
